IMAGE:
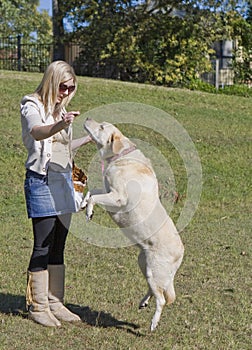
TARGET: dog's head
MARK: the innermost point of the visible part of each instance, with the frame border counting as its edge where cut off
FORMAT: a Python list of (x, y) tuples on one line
[(109, 140)]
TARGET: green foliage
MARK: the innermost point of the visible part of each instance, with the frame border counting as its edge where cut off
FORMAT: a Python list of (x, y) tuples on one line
[(22, 18), (249, 12), (200, 85), (163, 42), (238, 90), (143, 44), (242, 30)]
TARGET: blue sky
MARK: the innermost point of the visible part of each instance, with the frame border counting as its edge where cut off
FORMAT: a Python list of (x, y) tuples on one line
[(46, 5)]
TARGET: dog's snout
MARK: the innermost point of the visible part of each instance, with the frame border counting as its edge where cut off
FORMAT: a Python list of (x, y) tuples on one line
[(87, 122)]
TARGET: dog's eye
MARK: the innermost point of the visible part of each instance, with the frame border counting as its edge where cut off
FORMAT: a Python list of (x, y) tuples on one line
[(101, 127)]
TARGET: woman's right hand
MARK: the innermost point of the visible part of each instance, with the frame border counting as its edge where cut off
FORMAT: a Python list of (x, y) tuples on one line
[(69, 117), (41, 132)]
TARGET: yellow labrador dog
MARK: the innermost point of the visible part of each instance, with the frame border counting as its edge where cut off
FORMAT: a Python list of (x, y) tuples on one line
[(131, 197)]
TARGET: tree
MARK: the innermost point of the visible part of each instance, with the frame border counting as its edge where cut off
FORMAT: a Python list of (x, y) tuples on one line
[(249, 12), (13, 20), (155, 41), (242, 63), (22, 28), (58, 30), (159, 41)]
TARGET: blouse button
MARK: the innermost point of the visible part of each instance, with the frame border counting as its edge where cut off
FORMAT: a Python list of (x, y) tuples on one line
[(48, 155)]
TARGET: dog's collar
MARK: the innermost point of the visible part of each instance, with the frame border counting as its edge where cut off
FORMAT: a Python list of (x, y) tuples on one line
[(123, 153)]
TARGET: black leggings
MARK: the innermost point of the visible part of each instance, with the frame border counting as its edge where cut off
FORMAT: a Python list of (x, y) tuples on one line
[(50, 235)]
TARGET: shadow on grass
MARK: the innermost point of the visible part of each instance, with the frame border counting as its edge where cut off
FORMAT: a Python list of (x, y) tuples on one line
[(15, 305), (102, 319)]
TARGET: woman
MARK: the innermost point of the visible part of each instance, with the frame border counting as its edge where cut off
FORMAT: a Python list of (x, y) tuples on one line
[(49, 193)]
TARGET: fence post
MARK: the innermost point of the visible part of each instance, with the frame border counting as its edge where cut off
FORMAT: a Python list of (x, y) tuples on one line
[(217, 70), (19, 51)]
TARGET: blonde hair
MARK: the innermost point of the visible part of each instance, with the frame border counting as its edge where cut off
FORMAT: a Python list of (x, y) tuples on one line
[(56, 73)]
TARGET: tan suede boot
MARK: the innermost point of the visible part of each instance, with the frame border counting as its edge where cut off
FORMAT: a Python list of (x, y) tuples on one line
[(56, 294), (37, 299)]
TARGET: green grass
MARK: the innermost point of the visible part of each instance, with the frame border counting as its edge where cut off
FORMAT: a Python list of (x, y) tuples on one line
[(104, 285)]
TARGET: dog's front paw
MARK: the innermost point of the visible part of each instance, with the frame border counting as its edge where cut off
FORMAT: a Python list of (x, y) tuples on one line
[(89, 209)]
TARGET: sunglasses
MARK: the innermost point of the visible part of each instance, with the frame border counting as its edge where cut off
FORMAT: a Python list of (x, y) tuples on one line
[(64, 88)]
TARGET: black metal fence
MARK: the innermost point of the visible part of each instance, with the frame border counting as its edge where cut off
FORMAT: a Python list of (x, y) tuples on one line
[(17, 55)]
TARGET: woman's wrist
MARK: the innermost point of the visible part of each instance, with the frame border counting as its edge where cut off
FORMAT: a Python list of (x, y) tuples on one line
[(63, 124)]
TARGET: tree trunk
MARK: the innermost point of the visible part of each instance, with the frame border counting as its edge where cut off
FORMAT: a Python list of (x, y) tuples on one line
[(58, 32)]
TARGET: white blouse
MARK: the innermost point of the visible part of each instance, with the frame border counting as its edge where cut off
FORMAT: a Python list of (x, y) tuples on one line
[(39, 152)]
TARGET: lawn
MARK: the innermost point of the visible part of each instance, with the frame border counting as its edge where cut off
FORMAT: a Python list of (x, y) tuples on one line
[(103, 281)]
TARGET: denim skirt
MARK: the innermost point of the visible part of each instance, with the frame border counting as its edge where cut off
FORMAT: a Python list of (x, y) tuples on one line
[(49, 195)]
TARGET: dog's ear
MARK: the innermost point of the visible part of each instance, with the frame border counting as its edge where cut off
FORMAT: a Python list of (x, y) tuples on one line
[(116, 143)]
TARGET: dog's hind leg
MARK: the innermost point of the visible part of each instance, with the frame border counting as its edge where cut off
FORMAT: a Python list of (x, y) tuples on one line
[(158, 292), (169, 291), (160, 303)]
